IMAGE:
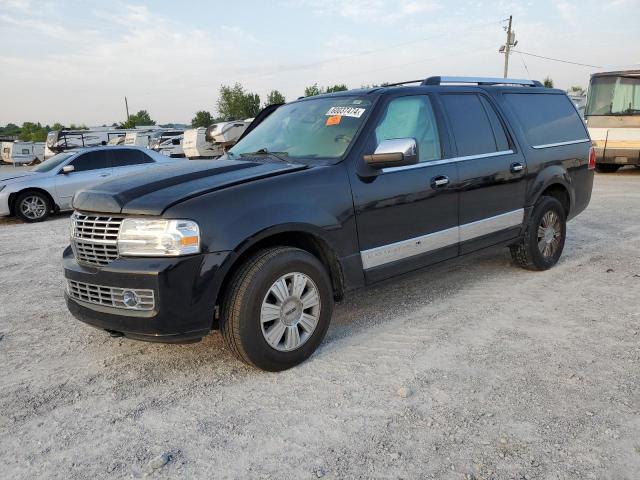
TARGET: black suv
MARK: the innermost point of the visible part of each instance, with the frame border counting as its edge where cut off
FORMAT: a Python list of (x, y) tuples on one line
[(324, 195)]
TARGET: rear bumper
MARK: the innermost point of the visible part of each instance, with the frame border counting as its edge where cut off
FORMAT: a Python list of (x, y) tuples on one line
[(184, 288), (618, 156)]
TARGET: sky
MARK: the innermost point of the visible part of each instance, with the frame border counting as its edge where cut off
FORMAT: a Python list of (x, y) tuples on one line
[(75, 61)]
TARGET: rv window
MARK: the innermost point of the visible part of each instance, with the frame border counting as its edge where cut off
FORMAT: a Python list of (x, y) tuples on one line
[(25, 151), (126, 157), (175, 141)]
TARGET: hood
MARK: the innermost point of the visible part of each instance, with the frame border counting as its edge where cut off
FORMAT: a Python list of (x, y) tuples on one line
[(154, 190), (15, 175)]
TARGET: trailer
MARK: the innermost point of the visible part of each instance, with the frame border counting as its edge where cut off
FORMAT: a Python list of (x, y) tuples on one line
[(62, 140), (19, 152), (169, 143), (212, 142)]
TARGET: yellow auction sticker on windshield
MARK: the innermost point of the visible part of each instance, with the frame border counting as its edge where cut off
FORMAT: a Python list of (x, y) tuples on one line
[(346, 112)]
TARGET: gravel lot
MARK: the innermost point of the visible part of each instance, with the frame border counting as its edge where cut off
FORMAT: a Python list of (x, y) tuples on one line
[(471, 370)]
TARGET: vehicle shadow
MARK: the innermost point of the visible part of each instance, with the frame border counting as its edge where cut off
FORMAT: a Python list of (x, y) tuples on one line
[(17, 221)]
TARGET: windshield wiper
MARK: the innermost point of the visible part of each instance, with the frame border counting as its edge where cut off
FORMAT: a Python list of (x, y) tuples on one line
[(264, 151)]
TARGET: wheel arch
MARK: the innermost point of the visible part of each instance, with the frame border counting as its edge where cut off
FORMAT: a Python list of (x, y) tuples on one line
[(305, 237), (556, 182), (14, 196)]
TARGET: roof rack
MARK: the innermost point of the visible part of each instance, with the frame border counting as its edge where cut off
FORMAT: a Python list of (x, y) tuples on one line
[(481, 81)]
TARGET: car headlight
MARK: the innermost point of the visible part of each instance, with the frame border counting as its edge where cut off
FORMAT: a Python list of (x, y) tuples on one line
[(158, 237)]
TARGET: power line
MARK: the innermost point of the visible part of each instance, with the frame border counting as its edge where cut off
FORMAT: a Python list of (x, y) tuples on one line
[(525, 65), (557, 59)]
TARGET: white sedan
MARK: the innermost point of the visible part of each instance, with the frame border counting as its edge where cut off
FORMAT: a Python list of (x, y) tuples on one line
[(32, 195)]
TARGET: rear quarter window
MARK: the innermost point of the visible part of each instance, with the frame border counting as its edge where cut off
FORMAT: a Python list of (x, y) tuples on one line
[(547, 118)]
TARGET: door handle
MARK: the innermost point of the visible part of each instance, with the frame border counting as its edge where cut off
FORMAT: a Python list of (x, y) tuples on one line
[(104, 174), (516, 167), (439, 181)]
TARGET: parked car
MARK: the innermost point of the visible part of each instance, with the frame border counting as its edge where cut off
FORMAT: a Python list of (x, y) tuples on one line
[(32, 195), (327, 194)]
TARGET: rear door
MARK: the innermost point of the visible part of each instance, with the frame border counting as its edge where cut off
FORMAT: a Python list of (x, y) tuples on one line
[(89, 168), (492, 171), (405, 219), (125, 161)]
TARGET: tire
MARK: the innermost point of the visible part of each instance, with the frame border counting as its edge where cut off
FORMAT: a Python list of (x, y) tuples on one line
[(607, 167), (32, 206), (534, 252), (259, 327)]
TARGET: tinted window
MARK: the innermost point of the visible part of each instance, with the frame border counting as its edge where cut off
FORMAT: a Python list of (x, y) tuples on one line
[(547, 118), (411, 117), (500, 135), (91, 161), (470, 124), (124, 158)]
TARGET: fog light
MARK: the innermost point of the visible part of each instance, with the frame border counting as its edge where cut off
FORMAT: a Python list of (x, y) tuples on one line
[(130, 299)]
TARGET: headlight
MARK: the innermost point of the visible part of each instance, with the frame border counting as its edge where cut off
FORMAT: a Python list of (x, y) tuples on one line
[(158, 237)]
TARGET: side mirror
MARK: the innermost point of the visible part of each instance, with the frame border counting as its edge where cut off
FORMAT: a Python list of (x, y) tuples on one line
[(396, 152), (68, 169)]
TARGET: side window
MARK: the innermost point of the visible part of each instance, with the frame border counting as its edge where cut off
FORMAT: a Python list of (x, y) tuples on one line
[(91, 161), (125, 158), (547, 118), (470, 124), (502, 141), (411, 117)]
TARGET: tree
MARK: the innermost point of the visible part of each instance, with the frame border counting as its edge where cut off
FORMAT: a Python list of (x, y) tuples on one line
[(312, 90), (576, 90), (548, 82), (202, 119), (274, 98), (337, 88), (57, 126), (235, 103), (140, 118), (33, 132)]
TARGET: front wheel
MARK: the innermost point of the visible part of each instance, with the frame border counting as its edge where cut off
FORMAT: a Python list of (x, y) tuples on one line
[(32, 206), (277, 309), (544, 237)]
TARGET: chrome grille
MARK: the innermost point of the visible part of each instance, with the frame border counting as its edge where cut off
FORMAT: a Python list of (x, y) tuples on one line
[(111, 296), (94, 238)]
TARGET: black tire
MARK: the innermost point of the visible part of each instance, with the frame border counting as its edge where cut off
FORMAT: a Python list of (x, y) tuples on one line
[(24, 206), (527, 253), (607, 167), (240, 321)]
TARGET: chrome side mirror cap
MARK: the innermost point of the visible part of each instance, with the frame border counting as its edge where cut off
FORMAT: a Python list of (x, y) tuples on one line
[(396, 152)]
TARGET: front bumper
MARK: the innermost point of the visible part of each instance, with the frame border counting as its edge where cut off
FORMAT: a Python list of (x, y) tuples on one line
[(184, 289)]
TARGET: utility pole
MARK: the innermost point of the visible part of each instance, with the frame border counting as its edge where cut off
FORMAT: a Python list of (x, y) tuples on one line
[(506, 48), (126, 107)]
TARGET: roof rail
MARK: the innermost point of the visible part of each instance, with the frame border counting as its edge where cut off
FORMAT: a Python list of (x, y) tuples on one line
[(481, 81), (395, 84)]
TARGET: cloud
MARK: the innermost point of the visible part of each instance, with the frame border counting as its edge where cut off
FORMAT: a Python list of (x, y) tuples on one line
[(379, 11)]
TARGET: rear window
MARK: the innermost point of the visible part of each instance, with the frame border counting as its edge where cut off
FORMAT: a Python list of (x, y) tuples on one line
[(547, 119)]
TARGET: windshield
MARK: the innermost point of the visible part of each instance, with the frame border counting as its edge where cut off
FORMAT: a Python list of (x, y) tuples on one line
[(52, 163), (317, 128), (614, 96)]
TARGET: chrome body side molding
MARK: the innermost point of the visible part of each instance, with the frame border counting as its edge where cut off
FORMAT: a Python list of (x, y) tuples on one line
[(560, 144), (403, 249), (444, 161)]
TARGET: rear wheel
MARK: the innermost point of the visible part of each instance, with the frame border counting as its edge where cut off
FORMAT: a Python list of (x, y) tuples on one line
[(544, 237), (607, 167), (277, 309), (32, 206)]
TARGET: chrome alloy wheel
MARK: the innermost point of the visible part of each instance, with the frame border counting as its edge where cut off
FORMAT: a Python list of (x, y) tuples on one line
[(290, 312), (33, 207), (549, 233)]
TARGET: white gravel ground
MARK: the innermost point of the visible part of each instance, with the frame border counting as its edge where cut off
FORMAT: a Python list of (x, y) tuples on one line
[(471, 370)]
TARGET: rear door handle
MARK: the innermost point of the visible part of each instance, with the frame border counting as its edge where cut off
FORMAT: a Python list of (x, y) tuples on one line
[(516, 167), (439, 181)]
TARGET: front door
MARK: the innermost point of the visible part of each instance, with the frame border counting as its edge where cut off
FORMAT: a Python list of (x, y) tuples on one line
[(407, 217), (89, 168), (492, 172)]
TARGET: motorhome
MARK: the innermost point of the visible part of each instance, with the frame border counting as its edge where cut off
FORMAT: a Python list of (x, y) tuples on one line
[(22, 152), (613, 119), (61, 140), (168, 143), (212, 142), (142, 136)]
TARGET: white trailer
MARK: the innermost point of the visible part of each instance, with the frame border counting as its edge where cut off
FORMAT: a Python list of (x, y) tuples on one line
[(142, 136), (63, 140), (169, 143), (213, 141), (19, 152)]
